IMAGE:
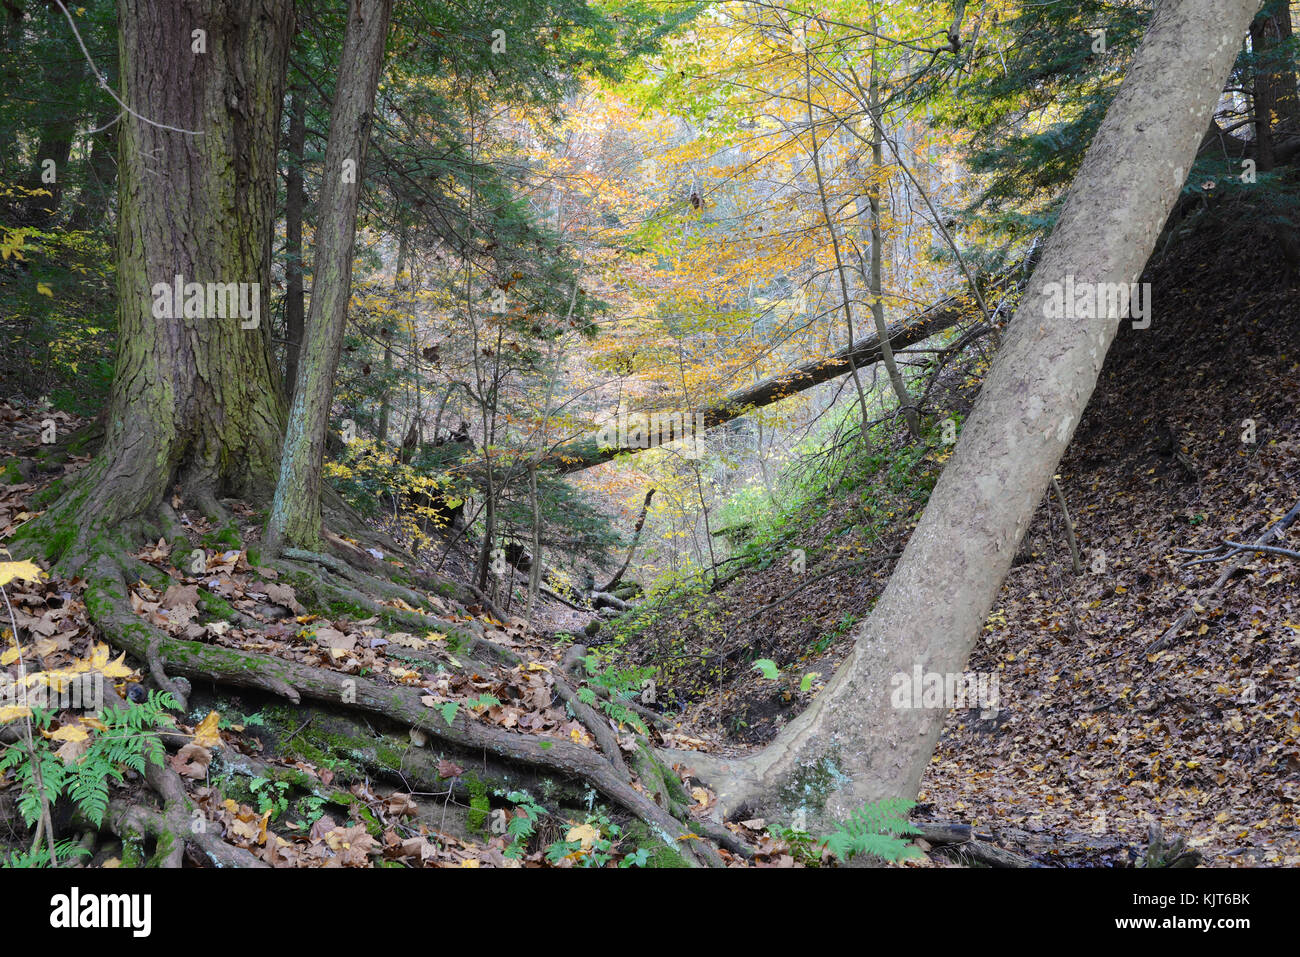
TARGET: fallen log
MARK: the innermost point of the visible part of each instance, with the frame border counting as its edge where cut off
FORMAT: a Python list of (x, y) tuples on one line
[(590, 451)]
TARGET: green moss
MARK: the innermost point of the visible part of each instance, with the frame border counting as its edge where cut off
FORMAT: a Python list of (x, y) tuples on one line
[(215, 605), (80, 442), (132, 852), (48, 494), (345, 609), (227, 537), (389, 756), (479, 806), (661, 855), (10, 474)]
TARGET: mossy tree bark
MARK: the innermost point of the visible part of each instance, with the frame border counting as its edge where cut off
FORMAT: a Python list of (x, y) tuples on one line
[(296, 513), (194, 399), (853, 746)]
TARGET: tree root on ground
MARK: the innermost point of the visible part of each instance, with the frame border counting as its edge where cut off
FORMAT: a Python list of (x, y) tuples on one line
[(108, 605)]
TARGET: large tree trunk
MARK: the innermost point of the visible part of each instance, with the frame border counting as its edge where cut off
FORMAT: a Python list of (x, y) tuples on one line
[(1277, 106), (295, 515), (194, 399), (852, 746)]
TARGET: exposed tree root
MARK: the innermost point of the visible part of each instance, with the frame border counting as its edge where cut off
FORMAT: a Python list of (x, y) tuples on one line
[(347, 574), (107, 603)]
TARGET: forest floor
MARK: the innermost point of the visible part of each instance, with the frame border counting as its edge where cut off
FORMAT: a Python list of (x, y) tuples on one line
[(1095, 738)]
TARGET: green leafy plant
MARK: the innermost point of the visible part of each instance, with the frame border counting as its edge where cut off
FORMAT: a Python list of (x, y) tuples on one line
[(127, 741), (521, 829), (804, 847), (271, 795), (879, 829), (602, 839), (40, 856)]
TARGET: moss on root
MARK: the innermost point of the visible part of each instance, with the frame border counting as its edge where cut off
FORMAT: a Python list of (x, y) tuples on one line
[(660, 854), (11, 472)]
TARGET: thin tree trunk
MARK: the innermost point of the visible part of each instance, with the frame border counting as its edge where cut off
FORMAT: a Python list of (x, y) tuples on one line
[(101, 173), (876, 278), (295, 199), (295, 515), (386, 398), (835, 239), (854, 745), (636, 540)]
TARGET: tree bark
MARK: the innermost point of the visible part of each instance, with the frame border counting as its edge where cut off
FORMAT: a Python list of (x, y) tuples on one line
[(294, 201), (852, 746), (1277, 106), (295, 514), (194, 399)]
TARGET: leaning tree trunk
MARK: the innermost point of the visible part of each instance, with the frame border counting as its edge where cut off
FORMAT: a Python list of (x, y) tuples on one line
[(194, 399), (851, 746), (296, 513)]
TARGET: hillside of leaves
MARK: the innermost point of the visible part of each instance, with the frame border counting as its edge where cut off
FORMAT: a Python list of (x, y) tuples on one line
[(1097, 736)]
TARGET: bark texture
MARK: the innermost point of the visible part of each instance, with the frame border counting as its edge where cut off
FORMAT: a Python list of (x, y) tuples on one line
[(194, 399)]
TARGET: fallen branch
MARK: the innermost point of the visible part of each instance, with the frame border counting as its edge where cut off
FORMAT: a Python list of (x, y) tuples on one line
[(1243, 553), (636, 539)]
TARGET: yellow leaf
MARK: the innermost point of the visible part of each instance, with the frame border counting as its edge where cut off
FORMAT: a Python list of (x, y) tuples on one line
[(12, 712), (10, 656), (206, 734), (118, 668), (584, 834), (23, 571), (44, 290), (69, 732)]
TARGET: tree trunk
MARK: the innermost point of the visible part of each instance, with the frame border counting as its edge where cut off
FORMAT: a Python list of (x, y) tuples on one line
[(400, 281), (101, 173), (853, 746), (1277, 107), (295, 515), (194, 399), (294, 200), (875, 277), (61, 78)]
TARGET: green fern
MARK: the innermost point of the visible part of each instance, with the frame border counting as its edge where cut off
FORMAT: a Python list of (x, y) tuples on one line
[(128, 741), (40, 857), (878, 829)]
